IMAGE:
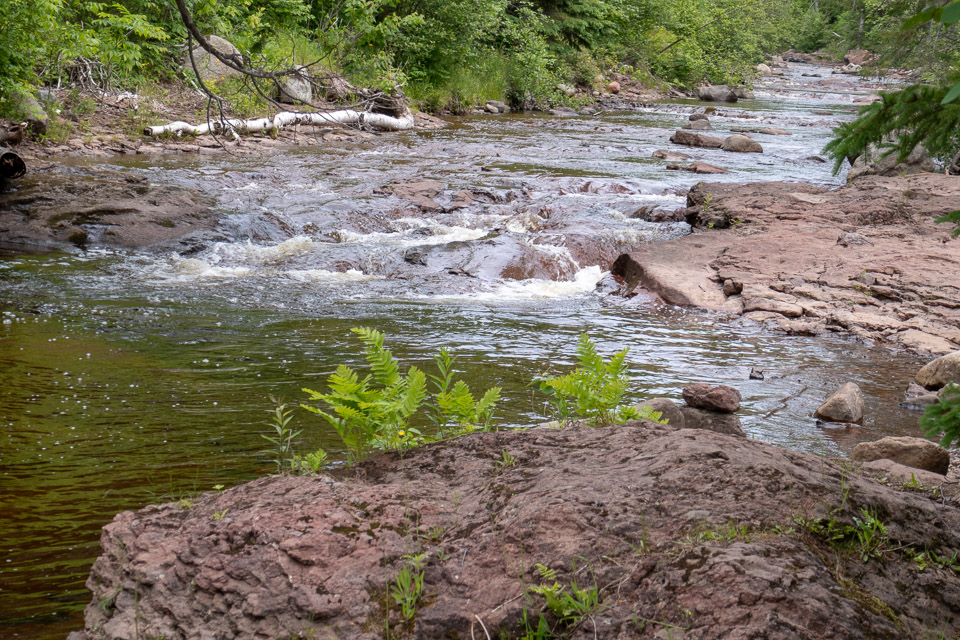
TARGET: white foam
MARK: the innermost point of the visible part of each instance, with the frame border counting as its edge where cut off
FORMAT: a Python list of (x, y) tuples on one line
[(261, 254), (584, 282), (195, 268), (440, 234), (322, 275)]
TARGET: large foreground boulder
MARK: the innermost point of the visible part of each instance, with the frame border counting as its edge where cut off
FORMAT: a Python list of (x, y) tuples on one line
[(940, 372), (687, 528), (912, 452)]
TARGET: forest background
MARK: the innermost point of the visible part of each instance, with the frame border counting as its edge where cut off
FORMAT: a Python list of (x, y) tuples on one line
[(453, 54)]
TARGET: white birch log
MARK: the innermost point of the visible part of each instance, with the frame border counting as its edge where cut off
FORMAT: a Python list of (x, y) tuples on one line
[(285, 119)]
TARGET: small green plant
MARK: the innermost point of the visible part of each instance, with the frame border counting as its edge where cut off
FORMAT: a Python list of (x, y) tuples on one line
[(435, 534), (185, 503), (310, 463), (218, 515), (944, 417), (569, 604), (505, 460), (867, 536), (726, 533), (373, 411), (594, 390), (282, 437), (453, 406), (871, 535), (407, 588)]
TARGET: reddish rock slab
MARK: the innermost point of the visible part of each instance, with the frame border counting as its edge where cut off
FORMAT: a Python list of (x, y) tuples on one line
[(626, 509), (698, 167), (866, 259), (712, 398)]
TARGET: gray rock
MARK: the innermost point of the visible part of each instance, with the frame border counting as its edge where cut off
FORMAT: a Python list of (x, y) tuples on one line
[(717, 93), (874, 163), (727, 423), (940, 372), (501, 107), (698, 116), (691, 139), (209, 68), (663, 154), (845, 405), (567, 90), (741, 144), (744, 94), (296, 88), (701, 124), (563, 111), (712, 398), (28, 110), (896, 472), (671, 412), (912, 452)]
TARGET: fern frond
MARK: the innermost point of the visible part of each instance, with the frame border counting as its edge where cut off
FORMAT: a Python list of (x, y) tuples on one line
[(384, 367)]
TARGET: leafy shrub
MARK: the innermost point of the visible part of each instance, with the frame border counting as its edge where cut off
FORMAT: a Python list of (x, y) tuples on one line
[(944, 417)]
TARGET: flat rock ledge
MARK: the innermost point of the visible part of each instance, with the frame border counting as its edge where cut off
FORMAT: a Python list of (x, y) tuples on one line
[(678, 529), (866, 259)]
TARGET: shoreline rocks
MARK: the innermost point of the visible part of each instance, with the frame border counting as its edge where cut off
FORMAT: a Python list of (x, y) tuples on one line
[(296, 555), (911, 452), (769, 252)]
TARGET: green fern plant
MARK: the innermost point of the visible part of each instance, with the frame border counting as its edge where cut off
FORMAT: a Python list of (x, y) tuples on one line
[(454, 409), (594, 390), (373, 411)]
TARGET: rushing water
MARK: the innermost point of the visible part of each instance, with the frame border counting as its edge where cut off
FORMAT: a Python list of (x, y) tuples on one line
[(135, 377)]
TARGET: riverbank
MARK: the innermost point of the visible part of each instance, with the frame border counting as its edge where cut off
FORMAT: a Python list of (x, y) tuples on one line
[(866, 259), (640, 529)]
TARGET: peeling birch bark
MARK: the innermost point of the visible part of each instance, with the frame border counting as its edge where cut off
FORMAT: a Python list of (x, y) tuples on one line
[(287, 118)]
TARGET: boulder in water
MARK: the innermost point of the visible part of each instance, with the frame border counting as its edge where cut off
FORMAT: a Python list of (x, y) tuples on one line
[(691, 139), (845, 405), (940, 372), (912, 452), (741, 144), (717, 93)]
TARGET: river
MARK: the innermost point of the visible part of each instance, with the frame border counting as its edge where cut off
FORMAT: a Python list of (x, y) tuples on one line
[(131, 377)]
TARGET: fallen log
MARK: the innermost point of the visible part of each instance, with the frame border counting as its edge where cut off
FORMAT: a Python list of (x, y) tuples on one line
[(11, 166), (11, 133), (287, 118)]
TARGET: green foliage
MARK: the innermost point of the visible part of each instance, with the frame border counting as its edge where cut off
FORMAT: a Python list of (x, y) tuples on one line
[(282, 437), (407, 588), (944, 416), (378, 411), (373, 411), (567, 604), (594, 390), (454, 409), (309, 463), (867, 536)]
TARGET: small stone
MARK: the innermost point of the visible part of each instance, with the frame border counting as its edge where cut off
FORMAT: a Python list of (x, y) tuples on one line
[(712, 398), (845, 405), (756, 374), (912, 452), (732, 287), (613, 87)]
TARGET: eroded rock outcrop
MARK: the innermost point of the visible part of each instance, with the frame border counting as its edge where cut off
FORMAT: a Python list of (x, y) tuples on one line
[(912, 452), (629, 506), (866, 259)]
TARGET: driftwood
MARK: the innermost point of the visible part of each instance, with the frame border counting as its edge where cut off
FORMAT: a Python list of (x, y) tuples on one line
[(11, 133), (11, 166), (287, 118)]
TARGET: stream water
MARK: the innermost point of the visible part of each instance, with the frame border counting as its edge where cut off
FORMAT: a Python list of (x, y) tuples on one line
[(135, 377)]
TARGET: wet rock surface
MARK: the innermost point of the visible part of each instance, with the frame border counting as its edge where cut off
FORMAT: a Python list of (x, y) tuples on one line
[(866, 259), (712, 398), (845, 405), (638, 511), (912, 452), (62, 206)]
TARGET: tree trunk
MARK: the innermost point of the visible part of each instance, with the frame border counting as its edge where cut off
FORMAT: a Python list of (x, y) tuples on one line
[(286, 118)]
